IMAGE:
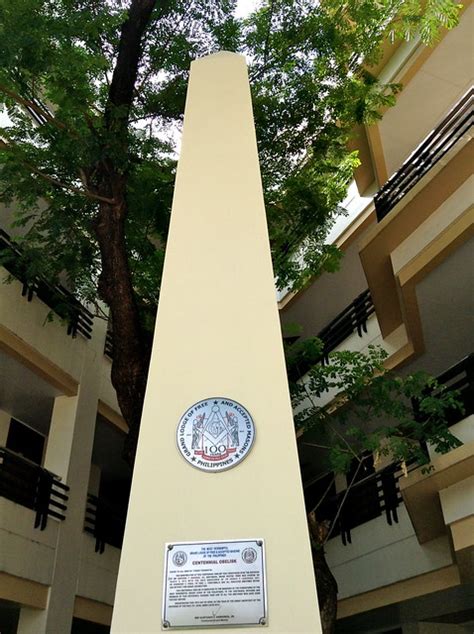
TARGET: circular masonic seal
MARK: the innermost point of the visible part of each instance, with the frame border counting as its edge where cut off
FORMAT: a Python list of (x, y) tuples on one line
[(215, 434), (180, 558), (249, 555)]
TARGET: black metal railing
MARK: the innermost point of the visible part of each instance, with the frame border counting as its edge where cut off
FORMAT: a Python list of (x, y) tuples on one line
[(38, 110), (366, 500), (352, 319), (56, 296), (455, 125), (29, 485), (105, 521), (427, 154), (459, 377), (109, 345)]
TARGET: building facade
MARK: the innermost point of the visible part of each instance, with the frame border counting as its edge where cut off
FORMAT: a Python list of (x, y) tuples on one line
[(402, 553)]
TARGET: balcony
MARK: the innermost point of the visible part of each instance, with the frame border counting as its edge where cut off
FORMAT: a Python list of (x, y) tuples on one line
[(55, 296), (372, 496), (378, 492), (422, 491), (459, 377), (404, 518), (32, 506), (105, 522), (437, 144), (353, 319), (109, 345), (33, 487)]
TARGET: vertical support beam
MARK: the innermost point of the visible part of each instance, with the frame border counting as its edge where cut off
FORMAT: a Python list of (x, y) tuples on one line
[(31, 621), (61, 434), (94, 480), (68, 454), (377, 153), (217, 334), (4, 427)]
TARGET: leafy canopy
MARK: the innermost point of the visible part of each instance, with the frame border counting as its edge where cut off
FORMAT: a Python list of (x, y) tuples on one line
[(310, 84), (371, 409)]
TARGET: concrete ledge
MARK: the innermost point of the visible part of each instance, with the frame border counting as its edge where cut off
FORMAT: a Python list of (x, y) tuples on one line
[(421, 491), (401, 591), (94, 611), (23, 352), (23, 591)]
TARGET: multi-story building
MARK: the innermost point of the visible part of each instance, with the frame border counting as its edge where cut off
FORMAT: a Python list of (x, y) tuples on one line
[(402, 553)]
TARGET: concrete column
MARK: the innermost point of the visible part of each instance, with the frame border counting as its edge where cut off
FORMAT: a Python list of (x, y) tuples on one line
[(441, 628), (217, 335), (32, 621), (68, 454), (61, 434), (4, 427), (94, 480)]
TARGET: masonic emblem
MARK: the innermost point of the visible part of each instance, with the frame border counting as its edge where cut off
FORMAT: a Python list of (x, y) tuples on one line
[(215, 434)]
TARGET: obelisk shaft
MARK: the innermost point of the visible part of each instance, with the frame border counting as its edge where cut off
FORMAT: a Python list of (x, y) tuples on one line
[(217, 334)]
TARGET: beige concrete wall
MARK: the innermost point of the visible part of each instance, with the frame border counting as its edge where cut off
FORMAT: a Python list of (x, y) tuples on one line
[(464, 431), (79, 414), (4, 427), (362, 565), (457, 501), (392, 344), (440, 82), (47, 348), (23, 591), (107, 392), (447, 213), (29, 321), (435, 628), (26, 551), (440, 628), (98, 571), (217, 334), (400, 591), (338, 290)]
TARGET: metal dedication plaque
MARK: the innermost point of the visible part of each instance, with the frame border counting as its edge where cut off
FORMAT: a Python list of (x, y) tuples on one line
[(215, 434), (214, 584)]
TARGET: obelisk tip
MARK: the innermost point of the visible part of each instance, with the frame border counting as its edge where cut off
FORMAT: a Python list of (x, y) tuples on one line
[(220, 55)]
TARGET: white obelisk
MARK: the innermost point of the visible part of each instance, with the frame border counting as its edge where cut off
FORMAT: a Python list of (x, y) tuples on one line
[(217, 335)]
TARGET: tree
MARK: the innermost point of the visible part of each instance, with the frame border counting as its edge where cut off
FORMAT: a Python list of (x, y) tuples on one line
[(374, 414), (106, 82), (95, 93)]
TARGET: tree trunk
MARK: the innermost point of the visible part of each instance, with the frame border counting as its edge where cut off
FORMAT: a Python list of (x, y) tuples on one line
[(326, 584), (131, 354)]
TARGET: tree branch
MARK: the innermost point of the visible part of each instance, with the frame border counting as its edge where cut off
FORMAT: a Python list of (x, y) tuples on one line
[(321, 499), (42, 112), (339, 510), (164, 47), (58, 183), (269, 30), (333, 429), (76, 190), (126, 69)]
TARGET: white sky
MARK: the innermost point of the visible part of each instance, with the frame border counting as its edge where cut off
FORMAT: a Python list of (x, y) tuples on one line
[(4, 120), (244, 7)]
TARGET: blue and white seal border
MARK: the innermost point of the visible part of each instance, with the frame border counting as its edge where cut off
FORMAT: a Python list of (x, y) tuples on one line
[(215, 434)]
